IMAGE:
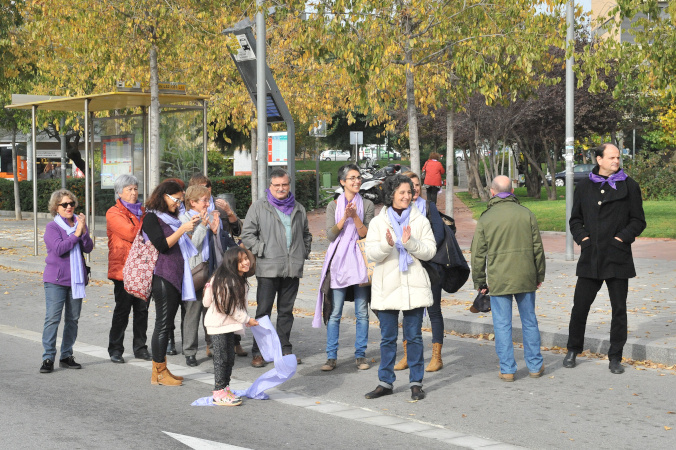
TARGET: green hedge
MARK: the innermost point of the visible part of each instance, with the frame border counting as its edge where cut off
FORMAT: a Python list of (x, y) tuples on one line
[(240, 186), (655, 173)]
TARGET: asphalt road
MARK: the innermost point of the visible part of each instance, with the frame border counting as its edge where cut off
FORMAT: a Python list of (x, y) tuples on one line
[(105, 405)]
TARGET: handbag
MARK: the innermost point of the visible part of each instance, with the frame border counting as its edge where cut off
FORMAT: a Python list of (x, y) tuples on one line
[(482, 303), (137, 273), (200, 275)]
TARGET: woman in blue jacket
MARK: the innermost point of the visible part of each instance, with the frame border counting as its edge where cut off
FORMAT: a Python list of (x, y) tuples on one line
[(65, 277)]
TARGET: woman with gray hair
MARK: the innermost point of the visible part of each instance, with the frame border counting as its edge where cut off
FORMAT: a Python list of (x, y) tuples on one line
[(124, 220), (65, 278)]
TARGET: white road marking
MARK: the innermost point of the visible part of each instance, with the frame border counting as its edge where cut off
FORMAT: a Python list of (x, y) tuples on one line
[(202, 444), (315, 404)]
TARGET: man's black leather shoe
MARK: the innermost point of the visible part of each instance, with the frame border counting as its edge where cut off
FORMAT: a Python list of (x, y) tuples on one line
[(69, 363), (117, 359), (616, 366), (191, 361), (143, 354), (379, 392), (569, 360)]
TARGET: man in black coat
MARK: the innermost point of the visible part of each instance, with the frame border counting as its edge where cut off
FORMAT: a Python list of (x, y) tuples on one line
[(607, 217)]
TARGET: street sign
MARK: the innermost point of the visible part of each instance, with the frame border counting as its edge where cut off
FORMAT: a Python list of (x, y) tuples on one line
[(319, 130), (356, 137)]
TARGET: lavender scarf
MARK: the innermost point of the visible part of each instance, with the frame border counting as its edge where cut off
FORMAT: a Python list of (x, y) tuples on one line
[(77, 275), (421, 204), (398, 223), (285, 205), (504, 194), (343, 255), (187, 250), (134, 208), (617, 176)]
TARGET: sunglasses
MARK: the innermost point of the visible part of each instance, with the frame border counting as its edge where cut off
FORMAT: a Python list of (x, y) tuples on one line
[(67, 204), (174, 199)]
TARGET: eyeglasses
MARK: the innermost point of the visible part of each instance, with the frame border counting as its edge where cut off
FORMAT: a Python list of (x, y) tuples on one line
[(174, 199), (65, 205), (351, 179), (282, 186)]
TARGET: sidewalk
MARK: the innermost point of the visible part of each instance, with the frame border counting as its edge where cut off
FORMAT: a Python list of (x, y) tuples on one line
[(651, 302)]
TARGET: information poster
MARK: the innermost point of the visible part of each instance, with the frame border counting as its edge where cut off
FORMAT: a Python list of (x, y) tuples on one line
[(277, 148), (116, 158)]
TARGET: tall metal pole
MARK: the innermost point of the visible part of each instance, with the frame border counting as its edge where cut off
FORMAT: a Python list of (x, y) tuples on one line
[(86, 171), (146, 136), (570, 138), (261, 94), (93, 179), (450, 160), (34, 163), (204, 133)]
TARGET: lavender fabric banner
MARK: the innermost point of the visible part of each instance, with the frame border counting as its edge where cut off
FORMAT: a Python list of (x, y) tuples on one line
[(271, 350)]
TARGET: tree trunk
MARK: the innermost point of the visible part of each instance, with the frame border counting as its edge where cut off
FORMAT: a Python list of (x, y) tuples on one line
[(450, 161), (254, 163), (414, 144), (551, 166), (474, 159), (154, 122), (17, 197)]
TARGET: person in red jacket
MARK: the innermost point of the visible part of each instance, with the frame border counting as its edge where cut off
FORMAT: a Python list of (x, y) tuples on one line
[(432, 171), (124, 221)]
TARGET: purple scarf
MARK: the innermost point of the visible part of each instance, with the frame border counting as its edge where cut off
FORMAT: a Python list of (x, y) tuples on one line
[(421, 204), (398, 223), (285, 205), (134, 208), (347, 263), (617, 176), (504, 194)]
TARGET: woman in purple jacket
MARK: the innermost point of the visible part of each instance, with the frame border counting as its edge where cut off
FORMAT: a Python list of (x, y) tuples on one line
[(65, 277)]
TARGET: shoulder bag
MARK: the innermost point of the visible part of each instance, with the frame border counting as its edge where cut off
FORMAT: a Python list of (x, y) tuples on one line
[(137, 273)]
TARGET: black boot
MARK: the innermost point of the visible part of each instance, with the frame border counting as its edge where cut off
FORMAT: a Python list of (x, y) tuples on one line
[(569, 360), (616, 366), (378, 392), (171, 347), (417, 393)]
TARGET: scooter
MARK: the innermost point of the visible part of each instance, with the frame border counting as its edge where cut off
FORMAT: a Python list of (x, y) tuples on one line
[(370, 189)]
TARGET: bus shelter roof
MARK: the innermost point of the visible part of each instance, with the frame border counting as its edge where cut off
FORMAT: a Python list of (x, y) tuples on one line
[(107, 101)]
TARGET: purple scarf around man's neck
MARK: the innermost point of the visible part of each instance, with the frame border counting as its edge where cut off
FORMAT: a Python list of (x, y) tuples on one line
[(504, 194), (285, 205), (617, 176)]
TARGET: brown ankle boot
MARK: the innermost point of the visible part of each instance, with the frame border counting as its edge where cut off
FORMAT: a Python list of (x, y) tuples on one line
[(177, 377), (403, 363), (161, 375), (239, 351), (436, 363)]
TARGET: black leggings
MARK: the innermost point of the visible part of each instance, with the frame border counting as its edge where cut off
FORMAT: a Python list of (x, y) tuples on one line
[(224, 359), (167, 300), (432, 193)]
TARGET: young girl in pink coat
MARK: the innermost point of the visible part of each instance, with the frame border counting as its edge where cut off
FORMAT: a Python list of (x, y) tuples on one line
[(225, 298)]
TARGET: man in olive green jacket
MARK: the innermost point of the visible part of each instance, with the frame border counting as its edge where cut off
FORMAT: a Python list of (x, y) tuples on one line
[(508, 260)]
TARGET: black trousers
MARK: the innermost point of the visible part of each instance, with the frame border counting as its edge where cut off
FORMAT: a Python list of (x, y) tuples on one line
[(124, 303), (167, 300), (285, 289), (585, 294), (432, 193), (224, 359)]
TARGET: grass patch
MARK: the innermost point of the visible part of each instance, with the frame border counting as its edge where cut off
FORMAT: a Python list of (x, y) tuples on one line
[(551, 215)]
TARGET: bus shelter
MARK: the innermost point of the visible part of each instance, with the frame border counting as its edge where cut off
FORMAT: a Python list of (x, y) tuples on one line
[(119, 144)]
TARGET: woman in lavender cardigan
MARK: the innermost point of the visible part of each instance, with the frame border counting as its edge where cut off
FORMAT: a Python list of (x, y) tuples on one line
[(65, 278)]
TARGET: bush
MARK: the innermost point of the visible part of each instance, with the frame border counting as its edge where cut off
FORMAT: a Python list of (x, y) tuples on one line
[(656, 175), (240, 186)]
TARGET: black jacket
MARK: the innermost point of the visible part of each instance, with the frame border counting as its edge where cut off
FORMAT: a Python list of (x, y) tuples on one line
[(603, 213)]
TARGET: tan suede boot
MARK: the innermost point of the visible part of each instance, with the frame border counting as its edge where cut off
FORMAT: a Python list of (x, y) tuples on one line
[(161, 375), (403, 363), (177, 377), (436, 363)]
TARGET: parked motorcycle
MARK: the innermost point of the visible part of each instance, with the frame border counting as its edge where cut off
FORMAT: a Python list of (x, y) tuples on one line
[(371, 186)]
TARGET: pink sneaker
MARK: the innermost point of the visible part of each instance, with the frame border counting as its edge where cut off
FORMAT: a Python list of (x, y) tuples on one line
[(232, 394), (226, 398)]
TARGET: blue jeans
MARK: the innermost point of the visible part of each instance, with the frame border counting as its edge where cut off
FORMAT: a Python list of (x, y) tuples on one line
[(57, 298), (389, 329), (361, 312), (501, 308)]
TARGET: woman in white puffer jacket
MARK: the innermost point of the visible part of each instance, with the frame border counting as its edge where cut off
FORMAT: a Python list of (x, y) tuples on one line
[(398, 239)]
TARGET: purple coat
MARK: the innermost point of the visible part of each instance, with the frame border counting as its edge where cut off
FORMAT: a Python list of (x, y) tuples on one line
[(57, 270)]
